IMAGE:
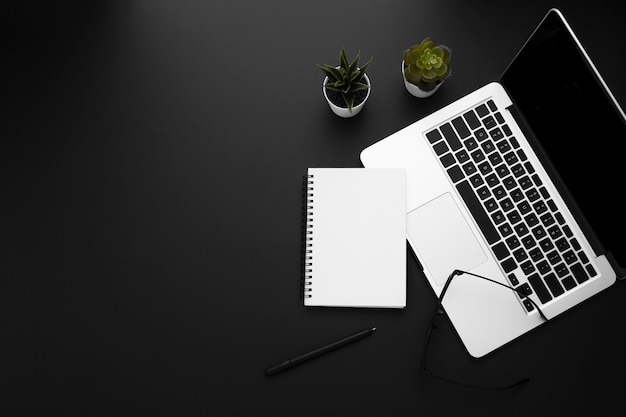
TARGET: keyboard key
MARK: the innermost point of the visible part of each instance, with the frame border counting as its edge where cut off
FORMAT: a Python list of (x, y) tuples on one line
[(591, 270), (559, 218), (524, 208), (510, 158), (524, 290), (547, 219), (528, 304), (455, 173), (469, 168), (481, 134), (483, 192), (514, 217), (433, 136), (531, 220), (462, 156), (532, 194), (521, 229), (555, 232), (491, 205), (512, 242), (517, 196), (552, 206), (509, 182), (485, 168), (540, 288), (489, 122), (447, 160), (554, 257), (461, 127), (562, 244), (561, 270), (472, 120), (528, 241), (546, 244), (498, 217), (520, 255), (543, 267), (492, 180), (579, 273), (567, 231), (503, 146), (499, 192), (553, 283), (527, 267), (505, 229), (496, 134), (440, 148), (568, 282), (495, 159), (492, 105), (509, 265), (570, 257), (488, 146), (506, 204), (500, 250), (525, 183), (502, 171), (476, 180), (482, 110), (478, 156), (470, 144), (539, 232), (479, 214), (535, 254), (517, 170), (513, 280), (451, 137)]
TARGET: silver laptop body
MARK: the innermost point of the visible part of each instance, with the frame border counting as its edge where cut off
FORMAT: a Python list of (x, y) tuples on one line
[(477, 160)]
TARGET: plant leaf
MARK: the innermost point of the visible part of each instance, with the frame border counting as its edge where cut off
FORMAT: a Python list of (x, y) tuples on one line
[(349, 99), (355, 63)]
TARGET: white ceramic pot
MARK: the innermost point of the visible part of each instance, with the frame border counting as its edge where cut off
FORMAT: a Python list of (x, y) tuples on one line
[(415, 90), (343, 111)]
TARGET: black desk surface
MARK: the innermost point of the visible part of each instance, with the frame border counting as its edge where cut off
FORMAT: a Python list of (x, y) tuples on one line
[(152, 158)]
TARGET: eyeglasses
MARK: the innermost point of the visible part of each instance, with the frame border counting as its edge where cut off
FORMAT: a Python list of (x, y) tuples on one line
[(439, 312)]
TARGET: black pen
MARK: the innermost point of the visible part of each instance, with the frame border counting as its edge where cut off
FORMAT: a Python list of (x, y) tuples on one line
[(319, 351)]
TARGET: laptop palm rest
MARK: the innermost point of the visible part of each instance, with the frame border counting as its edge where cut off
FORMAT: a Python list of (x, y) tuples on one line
[(441, 238)]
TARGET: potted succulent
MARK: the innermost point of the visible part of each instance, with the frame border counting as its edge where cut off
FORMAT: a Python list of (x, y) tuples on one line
[(425, 67), (346, 86)]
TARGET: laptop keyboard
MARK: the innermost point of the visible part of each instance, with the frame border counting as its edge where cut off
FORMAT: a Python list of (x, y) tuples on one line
[(535, 247)]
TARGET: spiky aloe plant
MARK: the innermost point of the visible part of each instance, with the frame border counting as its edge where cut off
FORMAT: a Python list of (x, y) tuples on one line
[(427, 64), (347, 78)]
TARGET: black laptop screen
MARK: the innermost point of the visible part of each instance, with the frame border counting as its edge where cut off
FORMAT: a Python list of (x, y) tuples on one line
[(577, 124)]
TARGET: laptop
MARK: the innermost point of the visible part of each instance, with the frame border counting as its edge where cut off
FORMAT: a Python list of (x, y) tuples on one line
[(516, 182)]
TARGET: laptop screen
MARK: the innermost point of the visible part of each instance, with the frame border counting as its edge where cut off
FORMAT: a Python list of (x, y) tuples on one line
[(578, 124)]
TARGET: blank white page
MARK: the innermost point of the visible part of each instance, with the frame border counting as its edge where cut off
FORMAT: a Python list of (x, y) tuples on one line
[(357, 221)]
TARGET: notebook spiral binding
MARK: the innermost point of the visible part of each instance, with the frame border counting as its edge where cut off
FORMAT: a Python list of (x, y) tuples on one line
[(307, 236)]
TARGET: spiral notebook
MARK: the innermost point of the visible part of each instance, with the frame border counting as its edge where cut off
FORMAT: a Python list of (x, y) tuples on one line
[(355, 247)]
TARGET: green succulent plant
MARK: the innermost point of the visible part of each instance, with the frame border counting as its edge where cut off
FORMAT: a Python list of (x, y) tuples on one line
[(427, 64), (347, 78)]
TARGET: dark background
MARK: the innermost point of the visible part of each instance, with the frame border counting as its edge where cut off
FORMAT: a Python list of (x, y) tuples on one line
[(151, 164)]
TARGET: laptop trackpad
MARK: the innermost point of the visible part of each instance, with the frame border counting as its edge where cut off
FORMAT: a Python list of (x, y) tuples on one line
[(442, 238)]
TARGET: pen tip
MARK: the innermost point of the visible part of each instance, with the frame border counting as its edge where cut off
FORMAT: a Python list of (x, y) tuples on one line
[(373, 329)]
